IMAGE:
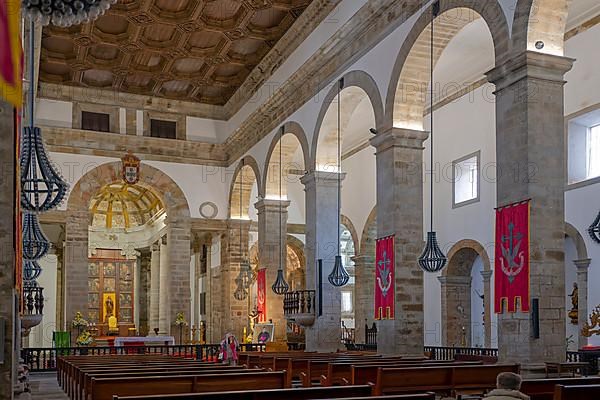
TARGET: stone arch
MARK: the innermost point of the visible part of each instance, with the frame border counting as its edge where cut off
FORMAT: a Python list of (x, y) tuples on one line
[(456, 293), (344, 220), (358, 85), (406, 97), (573, 233), (247, 169), (295, 251), (365, 276), (294, 138), (540, 20)]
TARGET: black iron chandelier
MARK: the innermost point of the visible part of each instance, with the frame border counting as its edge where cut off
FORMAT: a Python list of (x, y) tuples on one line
[(35, 243), (64, 13), (594, 229), (432, 259), (280, 286), (339, 276), (244, 278), (31, 271)]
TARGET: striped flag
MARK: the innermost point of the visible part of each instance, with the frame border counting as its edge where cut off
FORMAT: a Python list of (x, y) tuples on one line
[(11, 52)]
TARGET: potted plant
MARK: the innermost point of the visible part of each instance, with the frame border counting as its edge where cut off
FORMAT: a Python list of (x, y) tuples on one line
[(79, 323), (180, 322), (84, 339)]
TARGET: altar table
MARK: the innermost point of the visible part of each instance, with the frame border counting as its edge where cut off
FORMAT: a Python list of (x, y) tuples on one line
[(145, 340)]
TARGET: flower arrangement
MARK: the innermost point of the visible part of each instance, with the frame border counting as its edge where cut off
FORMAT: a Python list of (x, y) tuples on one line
[(180, 320), (85, 339), (79, 322)]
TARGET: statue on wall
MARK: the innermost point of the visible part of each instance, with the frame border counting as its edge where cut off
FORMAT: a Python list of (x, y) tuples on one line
[(574, 313)]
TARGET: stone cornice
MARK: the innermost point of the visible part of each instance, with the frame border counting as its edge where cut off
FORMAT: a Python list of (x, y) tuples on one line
[(76, 141)]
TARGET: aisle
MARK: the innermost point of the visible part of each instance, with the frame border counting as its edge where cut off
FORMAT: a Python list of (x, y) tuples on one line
[(45, 387)]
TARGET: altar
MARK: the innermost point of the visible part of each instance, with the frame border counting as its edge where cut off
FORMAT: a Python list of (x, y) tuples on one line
[(144, 341)]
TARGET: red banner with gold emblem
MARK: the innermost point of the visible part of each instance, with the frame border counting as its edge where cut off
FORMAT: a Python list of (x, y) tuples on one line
[(11, 52), (384, 278), (261, 295), (511, 264)]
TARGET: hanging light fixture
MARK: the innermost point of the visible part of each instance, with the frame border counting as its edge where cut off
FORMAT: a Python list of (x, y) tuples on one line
[(280, 286), (432, 259), (35, 243), (244, 278), (31, 271), (339, 276), (64, 13), (42, 188), (594, 229)]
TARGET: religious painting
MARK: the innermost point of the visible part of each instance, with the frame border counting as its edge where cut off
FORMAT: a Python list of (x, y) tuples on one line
[(125, 299), (384, 278), (126, 286), (263, 333), (93, 269), (125, 315), (94, 285), (109, 269), (109, 305), (126, 272), (93, 299), (511, 264), (109, 284)]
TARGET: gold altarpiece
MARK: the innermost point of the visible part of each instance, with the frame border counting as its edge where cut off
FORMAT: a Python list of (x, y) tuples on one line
[(110, 291)]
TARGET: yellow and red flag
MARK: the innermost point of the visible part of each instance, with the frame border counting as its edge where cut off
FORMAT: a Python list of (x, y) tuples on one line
[(11, 52), (385, 266)]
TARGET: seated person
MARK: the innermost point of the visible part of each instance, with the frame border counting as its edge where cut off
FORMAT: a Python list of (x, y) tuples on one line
[(508, 386), (113, 327)]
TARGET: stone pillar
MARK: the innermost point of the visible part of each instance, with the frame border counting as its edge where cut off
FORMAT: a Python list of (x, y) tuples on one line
[(364, 292), (530, 147), (179, 293), (144, 290), (399, 163), (456, 307), (7, 266), (153, 317), (487, 306), (163, 288), (272, 241), (582, 286), (76, 265), (322, 243)]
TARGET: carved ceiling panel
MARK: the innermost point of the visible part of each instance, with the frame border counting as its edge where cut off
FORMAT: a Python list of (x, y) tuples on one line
[(194, 50)]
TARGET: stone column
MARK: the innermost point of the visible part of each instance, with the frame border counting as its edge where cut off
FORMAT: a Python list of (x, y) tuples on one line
[(179, 293), (76, 265), (322, 243), (144, 290), (582, 286), (7, 266), (163, 288), (399, 162), (364, 288), (153, 317), (272, 241), (456, 307), (487, 306), (530, 147)]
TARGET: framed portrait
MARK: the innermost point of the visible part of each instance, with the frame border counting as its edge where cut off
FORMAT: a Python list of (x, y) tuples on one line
[(263, 333)]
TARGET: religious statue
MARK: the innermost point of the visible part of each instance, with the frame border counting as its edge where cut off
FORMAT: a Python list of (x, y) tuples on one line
[(252, 318), (574, 313), (109, 307), (229, 347), (593, 326)]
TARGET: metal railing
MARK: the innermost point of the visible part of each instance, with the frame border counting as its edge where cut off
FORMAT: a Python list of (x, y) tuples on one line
[(299, 302), (347, 334), (33, 299), (448, 353), (44, 359)]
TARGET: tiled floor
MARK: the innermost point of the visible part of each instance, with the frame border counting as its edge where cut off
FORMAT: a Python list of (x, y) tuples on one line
[(45, 387)]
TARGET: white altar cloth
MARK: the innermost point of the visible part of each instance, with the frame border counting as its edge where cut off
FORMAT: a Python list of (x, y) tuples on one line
[(147, 340)]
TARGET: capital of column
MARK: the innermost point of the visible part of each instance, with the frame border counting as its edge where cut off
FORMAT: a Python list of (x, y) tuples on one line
[(155, 247), (487, 275), (360, 260), (530, 64), (582, 265), (455, 280), (322, 178), (399, 137), (163, 240), (271, 205)]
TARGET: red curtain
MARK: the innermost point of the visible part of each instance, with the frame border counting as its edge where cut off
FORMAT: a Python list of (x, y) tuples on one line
[(384, 278), (511, 264), (261, 295)]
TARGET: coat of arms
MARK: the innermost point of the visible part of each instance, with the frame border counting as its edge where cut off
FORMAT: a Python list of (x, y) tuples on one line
[(131, 168)]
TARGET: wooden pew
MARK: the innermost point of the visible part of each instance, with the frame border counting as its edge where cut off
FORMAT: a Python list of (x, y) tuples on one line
[(316, 368), (106, 388), (470, 357), (543, 389), (577, 392), (442, 379)]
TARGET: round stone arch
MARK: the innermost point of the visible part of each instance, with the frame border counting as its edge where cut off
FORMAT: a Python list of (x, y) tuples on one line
[(294, 138), (344, 220), (540, 21), (573, 233), (175, 295), (456, 293), (405, 103), (364, 263), (296, 258), (247, 169), (359, 80)]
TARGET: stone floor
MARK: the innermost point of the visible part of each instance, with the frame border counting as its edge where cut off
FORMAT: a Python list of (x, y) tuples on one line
[(45, 387)]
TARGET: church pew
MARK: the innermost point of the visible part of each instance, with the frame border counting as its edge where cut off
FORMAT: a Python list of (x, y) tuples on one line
[(310, 370), (106, 388), (577, 392), (543, 389), (472, 357), (443, 379)]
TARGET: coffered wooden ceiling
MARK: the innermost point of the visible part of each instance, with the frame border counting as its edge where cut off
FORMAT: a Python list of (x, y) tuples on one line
[(194, 50)]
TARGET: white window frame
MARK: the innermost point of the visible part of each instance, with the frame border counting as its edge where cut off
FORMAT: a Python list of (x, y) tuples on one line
[(588, 150), (477, 156)]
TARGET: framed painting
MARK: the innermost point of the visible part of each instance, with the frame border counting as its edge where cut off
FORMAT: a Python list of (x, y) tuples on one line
[(263, 333)]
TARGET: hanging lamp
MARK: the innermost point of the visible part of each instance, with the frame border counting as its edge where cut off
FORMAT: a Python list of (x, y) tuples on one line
[(42, 188), (244, 278), (64, 13), (280, 286), (432, 259), (35, 243), (594, 229), (339, 276)]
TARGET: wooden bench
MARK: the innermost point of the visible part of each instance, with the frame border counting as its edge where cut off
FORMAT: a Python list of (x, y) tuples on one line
[(543, 389), (106, 388), (470, 357), (572, 367), (577, 392)]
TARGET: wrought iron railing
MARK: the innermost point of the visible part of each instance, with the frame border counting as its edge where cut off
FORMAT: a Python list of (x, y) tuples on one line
[(370, 340), (44, 359), (33, 299), (573, 356), (347, 334), (299, 302)]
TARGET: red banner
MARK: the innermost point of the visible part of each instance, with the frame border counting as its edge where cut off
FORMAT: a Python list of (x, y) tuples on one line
[(384, 278), (261, 295), (11, 53), (511, 264)]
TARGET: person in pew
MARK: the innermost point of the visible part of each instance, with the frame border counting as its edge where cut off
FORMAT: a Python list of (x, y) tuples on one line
[(508, 385), (229, 347)]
